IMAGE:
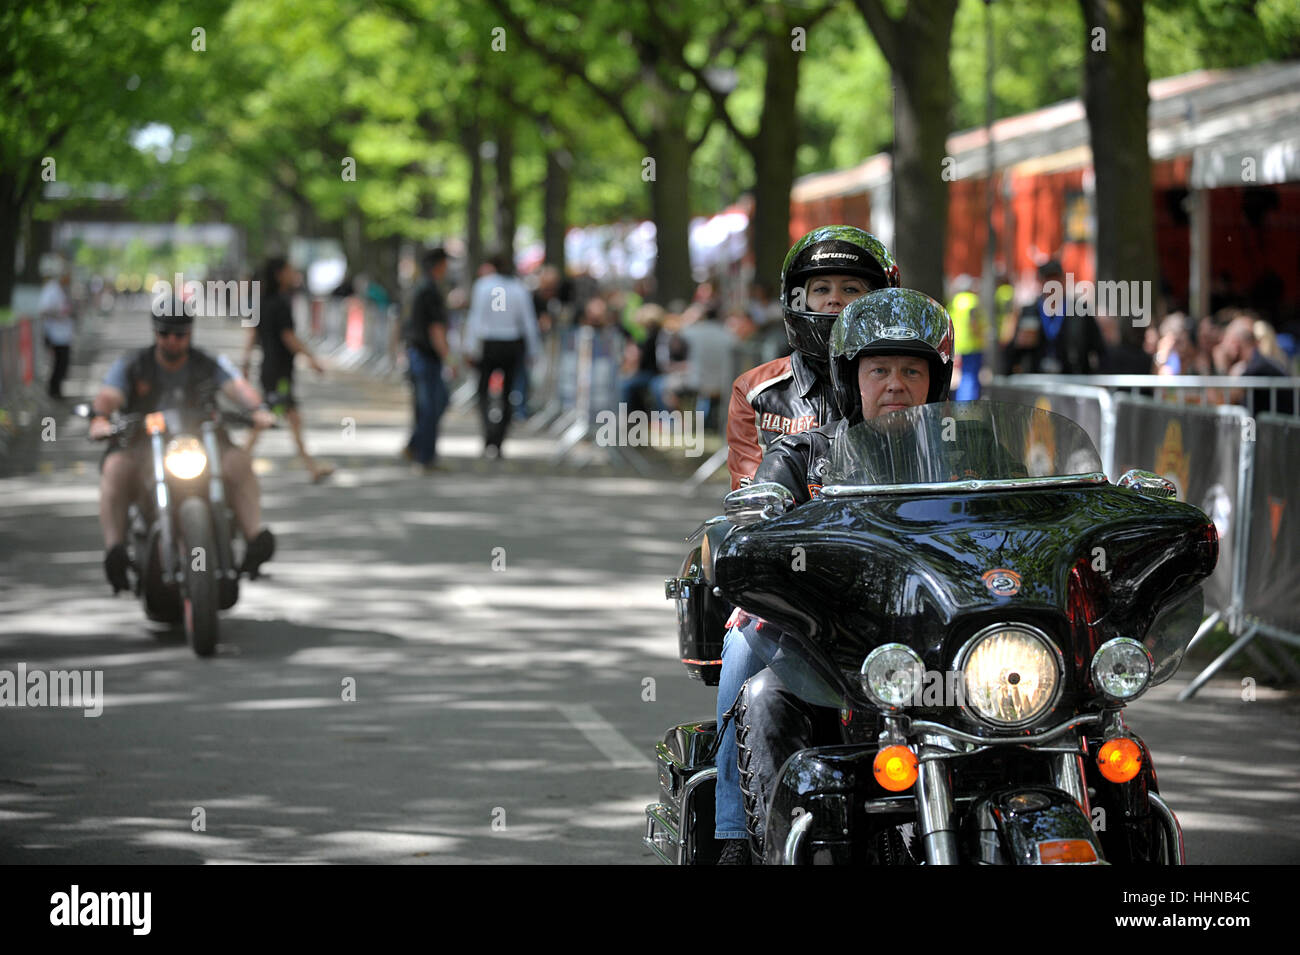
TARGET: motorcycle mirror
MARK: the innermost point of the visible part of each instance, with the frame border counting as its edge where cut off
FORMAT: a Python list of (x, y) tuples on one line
[(758, 502), (1148, 483)]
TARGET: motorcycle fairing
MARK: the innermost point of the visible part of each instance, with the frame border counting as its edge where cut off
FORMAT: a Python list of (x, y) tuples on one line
[(910, 569)]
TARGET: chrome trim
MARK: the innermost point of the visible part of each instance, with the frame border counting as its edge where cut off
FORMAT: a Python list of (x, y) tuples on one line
[(1092, 669), (1084, 720), (934, 814), (918, 665), (757, 502), (959, 664), (166, 543), (704, 526), (794, 839), (1173, 832), (661, 815), (1147, 483), (685, 854), (1068, 776), (216, 486), (965, 487)]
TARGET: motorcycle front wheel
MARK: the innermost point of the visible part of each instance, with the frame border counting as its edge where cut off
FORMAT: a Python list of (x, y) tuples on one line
[(199, 559)]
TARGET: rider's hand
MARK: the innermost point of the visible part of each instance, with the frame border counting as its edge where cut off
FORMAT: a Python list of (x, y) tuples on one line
[(100, 428), (263, 419)]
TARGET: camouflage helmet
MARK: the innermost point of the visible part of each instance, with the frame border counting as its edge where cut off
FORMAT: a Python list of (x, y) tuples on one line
[(894, 321)]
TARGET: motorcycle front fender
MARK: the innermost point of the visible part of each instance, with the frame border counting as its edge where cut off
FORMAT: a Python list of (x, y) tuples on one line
[(1021, 826)]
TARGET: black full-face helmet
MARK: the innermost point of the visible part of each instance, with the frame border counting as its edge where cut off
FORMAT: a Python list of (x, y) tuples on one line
[(830, 250), (893, 321)]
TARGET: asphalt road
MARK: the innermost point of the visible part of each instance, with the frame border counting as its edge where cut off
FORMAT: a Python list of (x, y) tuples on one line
[(503, 632)]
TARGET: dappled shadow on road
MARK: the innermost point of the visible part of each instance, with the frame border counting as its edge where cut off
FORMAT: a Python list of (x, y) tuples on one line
[(1229, 769), (394, 692)]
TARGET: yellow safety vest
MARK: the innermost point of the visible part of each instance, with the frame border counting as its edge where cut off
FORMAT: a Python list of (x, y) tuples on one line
[(967, 324)]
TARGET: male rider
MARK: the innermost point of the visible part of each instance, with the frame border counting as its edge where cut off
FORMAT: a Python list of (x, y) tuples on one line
[(889, 351), (823, 272), (170, 374)]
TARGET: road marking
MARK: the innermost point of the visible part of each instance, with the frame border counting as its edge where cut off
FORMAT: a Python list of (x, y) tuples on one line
[(616, 747)]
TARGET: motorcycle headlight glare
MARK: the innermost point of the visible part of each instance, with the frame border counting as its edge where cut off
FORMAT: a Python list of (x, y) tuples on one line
[(1012, 674), (891, 674), (1122, 668), (185, 457)]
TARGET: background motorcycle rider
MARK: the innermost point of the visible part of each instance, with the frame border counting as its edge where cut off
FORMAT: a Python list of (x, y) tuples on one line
[(889, 351), (823, 272), (172, 375)]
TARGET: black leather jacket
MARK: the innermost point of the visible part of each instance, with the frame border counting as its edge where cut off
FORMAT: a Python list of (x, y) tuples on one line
[(799, 461)]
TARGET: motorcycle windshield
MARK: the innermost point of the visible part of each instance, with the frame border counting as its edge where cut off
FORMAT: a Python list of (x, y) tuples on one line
[(953, 441)]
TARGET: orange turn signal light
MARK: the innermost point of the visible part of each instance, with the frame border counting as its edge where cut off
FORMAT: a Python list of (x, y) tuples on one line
[(1119, 759), (895, 768), (1061, 851), (155, 422)]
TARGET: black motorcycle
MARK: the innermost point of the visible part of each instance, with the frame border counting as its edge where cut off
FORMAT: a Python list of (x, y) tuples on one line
[(181, 533), (979, 604)]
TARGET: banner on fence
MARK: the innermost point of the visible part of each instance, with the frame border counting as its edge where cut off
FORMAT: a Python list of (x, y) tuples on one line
[(1273, 556), (1199, 449)]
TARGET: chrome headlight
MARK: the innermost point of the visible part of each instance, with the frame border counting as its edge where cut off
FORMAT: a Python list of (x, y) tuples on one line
[(185, 457), (891, 674), (1122, 668), (1012, 674)]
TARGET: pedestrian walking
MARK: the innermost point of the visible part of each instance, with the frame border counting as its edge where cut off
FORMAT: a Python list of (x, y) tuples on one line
[(500, 330), (280, 344), (427, 356), (59, 328)]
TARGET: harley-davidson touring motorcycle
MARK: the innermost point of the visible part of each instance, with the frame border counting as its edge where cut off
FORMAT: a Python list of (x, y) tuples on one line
[(980, 604), (181, 531)]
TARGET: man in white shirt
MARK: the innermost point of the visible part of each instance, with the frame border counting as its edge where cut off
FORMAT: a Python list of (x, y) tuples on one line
[(56, 319), (500, 332)]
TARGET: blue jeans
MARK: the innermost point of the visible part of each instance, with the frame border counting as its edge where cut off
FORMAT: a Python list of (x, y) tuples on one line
[(430, 403), (739, 663)]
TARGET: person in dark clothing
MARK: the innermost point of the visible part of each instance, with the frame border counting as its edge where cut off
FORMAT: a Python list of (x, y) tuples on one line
[(1049, 341), (275, 335), (1240, 351), (427, 351)]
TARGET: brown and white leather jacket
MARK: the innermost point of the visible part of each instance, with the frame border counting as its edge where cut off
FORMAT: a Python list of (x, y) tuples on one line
[(769, 402)]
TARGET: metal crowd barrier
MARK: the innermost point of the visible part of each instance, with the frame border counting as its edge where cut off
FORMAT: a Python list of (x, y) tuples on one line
[(1176, 389), (1212, 452), (23, 373)]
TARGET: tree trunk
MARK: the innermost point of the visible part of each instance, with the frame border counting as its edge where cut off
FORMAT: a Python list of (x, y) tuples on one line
[(670, 205), (774, 158), (10, 214), (555, 206), (471, 140), (1115, 95), (920, 143), (506, 201)]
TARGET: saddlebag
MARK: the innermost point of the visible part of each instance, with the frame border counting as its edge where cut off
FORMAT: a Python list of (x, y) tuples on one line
[(701, 615)]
